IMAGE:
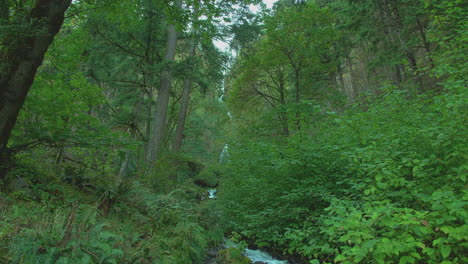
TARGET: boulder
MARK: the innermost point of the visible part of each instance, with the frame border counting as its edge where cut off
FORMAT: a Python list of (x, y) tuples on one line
[(209, 177)]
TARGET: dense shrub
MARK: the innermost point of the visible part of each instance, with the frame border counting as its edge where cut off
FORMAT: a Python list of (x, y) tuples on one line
[(114, 220), (382, 186)]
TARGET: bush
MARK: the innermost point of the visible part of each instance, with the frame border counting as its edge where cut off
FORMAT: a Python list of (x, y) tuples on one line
[(209, 176), (382, 186), (172, 170), (115, 221)]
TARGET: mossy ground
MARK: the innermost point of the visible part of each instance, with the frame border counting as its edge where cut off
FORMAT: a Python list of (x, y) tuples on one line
[(111, 220)]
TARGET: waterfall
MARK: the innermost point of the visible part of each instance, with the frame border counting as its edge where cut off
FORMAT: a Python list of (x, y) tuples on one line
[(212, 193), (223, 158), (262, 256), (256, 256)]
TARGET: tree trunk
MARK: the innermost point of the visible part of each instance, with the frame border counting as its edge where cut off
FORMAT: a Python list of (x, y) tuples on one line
[(410, 54), (426, 44), (158, 126), (352, 87), (284, 114), (298, 98), (411, 59), (341, 80), (4, 10), (397, 75), (133, 133), (182, 115), (21, 61), (185, 95)]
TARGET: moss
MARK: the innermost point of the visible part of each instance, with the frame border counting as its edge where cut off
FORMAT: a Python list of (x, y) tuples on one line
[(173, 170), (233, 256), (209, 176)]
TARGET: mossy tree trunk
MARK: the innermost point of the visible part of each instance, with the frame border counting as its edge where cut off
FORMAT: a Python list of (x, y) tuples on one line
[(21, 55)]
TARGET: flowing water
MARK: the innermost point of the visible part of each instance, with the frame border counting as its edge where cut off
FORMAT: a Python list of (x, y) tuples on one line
[(223, 158), (212, 193), (254, 255), (262, 256)]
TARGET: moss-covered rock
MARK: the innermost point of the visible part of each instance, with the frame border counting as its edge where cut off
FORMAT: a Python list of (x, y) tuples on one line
[(233, 256), (171, 171), (209, 176)]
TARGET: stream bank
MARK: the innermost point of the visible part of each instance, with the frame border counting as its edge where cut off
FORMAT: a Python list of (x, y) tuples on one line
[(229, 255)]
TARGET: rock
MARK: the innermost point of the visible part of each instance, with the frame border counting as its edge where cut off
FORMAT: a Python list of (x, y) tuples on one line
[(20, 187), (208, 177), (18, 183), (212, 253), (233, 256), (212, 261), (195, 167)]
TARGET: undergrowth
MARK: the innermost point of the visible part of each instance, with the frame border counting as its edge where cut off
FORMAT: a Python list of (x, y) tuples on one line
[(96, 220), (383, 186)]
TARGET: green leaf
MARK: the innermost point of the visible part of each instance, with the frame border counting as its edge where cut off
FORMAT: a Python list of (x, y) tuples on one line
[(445, 250), (379, 257), (407, 259), (340, 258), (447, 229)]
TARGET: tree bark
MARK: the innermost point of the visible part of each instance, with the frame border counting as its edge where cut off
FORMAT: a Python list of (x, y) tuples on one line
[(412, 62), (21, 61), (426, 44), (4, 10), (297, 97), (284, 114), (352, 87), (158, 126), (179, 135), (133, 133)]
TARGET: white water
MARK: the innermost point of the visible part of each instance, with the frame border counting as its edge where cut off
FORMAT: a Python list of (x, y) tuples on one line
[(253, 255), (212, 193), (224, 154), (258, 255)]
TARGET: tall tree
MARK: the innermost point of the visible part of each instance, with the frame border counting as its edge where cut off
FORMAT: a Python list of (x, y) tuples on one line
[(22, 54), (302, 49), (261, 74), (158, 127), (187, 87)]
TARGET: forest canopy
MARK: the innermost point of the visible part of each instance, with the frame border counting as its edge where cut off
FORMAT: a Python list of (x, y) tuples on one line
[(330, 131)]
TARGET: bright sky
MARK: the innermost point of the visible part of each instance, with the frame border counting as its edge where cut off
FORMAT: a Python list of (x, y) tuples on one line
[(269, 4)]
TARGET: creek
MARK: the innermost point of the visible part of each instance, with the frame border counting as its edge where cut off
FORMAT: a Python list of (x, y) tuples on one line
[(262, 257), (255, 255)]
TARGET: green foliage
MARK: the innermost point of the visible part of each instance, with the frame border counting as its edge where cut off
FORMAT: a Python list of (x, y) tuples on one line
[(209, 176), (204, 129), (380, 182), (233, 256), (171, 171), (288, 64), (383, 183), (68, 235), (103, 220), (383, 186)]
